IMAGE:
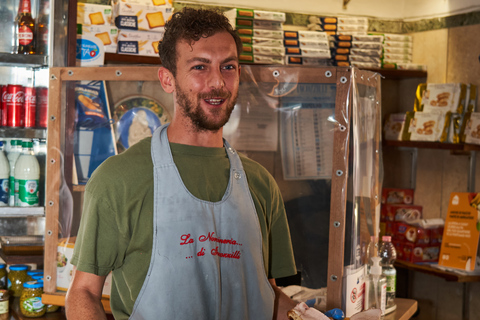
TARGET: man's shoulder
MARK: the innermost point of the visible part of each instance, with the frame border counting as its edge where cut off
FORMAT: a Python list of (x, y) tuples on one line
[(255, 171), (130, 165)]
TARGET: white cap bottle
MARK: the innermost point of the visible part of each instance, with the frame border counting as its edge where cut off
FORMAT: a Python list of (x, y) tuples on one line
[(27, 178), (12, 156), (4, 178), (375, 287)]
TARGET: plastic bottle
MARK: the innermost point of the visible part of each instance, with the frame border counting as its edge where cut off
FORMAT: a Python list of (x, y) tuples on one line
[(372, 251), (12, 156), (388, 254), (375, 287), (4, 178), (27, 177)]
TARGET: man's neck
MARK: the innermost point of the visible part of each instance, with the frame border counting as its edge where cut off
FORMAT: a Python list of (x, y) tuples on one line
[(186, 135)]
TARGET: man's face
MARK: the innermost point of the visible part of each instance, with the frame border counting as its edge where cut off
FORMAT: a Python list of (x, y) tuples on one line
[(206, 81)]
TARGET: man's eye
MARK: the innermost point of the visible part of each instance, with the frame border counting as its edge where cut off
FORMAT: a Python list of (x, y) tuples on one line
[(200, 67), (230, 67)]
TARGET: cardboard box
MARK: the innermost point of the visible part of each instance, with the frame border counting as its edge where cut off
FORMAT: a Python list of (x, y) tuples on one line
[(107, 34), (397, 196), (65, 268), (400, 212), (140, 43), (254, 15), (94, 14), (141, 17)]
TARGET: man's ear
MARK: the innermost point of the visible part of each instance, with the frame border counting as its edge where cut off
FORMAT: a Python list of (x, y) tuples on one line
[(167, 79)]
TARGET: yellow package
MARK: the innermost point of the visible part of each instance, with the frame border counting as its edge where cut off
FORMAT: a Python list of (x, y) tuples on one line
[(444, 97), (464, 125), (408, 120), (455, 127), (429, 126), (471, 99), (418, 106)]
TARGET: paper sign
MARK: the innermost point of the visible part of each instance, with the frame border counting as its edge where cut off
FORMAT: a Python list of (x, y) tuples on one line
[(461, 233)]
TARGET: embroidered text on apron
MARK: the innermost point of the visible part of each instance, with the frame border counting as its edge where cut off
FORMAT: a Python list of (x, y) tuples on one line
[(207, 260)]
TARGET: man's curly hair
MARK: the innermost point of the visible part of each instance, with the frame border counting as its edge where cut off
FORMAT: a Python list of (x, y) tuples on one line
[(191, 25)]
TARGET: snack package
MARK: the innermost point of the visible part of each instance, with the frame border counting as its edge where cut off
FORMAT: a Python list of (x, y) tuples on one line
[(261, 33), (108, 35), (472, 129), (306, 61), (255, 24), (254, 15), (454, 131), (368, 59), (267, 42), (444, 97), (93, 14), (141, 17), (401, 212), (419, 253), (366, 52), (471, 98), (397, 196), (91, 111), (367, 45), (414, 232), (393, 128), (429, 126), (140, 43)]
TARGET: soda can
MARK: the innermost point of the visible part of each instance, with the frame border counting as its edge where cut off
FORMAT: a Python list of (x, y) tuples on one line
[(15, 103), (3, 106), (30, 106), (42, 107)]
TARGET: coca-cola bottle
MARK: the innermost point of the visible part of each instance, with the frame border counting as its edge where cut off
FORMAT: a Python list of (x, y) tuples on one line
[(25, 28)]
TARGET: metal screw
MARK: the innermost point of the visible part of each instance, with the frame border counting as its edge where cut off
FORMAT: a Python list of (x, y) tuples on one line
[(49, 232), (50, 203), (118, 73), (339, 173), (70, 72), (52, 118), (328, 74), (52, 77), (48, 278), (336, 224), (52, 161), (276, 73), (333, 277), (343, 79), (343, 128)]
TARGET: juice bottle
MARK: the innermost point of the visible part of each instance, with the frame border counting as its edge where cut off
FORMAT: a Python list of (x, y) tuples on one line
[(12, 156), (27, 177), (4, 178)]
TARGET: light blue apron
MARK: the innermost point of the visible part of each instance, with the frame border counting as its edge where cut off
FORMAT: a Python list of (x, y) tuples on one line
[(207, 260)]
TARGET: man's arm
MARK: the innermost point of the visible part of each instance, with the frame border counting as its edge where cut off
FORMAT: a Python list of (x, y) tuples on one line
[(83, 300), (282, 302)]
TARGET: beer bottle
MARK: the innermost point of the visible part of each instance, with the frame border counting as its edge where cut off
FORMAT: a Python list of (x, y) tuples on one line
[(25, 28), (42, 24)]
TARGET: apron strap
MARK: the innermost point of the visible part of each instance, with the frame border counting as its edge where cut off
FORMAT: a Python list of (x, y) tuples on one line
[(160, 138)]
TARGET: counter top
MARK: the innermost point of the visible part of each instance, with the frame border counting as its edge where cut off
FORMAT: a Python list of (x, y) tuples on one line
[(406, 308)]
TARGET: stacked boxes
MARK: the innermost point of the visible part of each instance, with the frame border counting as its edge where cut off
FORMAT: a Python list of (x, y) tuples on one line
[(96, 20), (363, 51), (261, 33), (141, 25), (354, 26), (397, 53), (306, 48)]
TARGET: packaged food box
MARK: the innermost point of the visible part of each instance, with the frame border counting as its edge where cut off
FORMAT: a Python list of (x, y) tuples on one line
[(427, 126), (397, 44), (306, 61), (254, 15), (472, 129), (140, 43), (366, 52), (264, 50), (368, 38), (397, 37), (341, 63), (393, 128), (65, 267), (335, 51), (307, 35), (397, 196), (141, 17), (397, 57), (411, 66), (352, 28), (428, 233), (443, 97), (94, 14), (340, 57), (261, 33), (369, 59), (367, 45), (352, 20), (267, 42), (397, 50), (108, 35), (255, 24), (367, 65), (400, 212), (410, 252), (149, 2)]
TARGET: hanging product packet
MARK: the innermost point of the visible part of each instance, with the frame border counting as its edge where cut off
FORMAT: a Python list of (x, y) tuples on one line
[(427, 126), (90, 108), (472, 128), (442, 97)]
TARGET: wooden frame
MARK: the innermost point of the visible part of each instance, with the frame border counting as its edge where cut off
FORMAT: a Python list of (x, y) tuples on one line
[(342, 77)]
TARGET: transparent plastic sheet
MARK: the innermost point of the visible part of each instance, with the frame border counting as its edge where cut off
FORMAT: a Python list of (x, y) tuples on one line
[(285, 119)]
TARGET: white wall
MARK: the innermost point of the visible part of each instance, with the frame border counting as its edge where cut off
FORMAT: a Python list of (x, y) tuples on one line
[(382, 9)]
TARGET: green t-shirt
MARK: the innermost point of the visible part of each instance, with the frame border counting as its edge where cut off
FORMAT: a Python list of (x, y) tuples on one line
[(116, 232)]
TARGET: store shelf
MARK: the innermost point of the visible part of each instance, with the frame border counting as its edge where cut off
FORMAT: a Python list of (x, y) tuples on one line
[(20, 212), (428, 269), (431, 145), (58, 299), (392, 74), (133, 59), (28, 133), (24, 60), (406, 308)]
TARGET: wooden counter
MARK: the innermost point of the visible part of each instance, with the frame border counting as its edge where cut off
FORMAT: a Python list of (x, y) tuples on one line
[(406, 308)]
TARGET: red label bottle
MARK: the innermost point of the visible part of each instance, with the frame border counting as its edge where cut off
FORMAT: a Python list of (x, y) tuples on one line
[(25, 28)]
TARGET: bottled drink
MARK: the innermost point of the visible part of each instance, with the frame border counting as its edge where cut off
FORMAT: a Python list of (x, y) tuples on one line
[(12, 156), (388, 254), (4, 178), (375, 287), (27, 177), (42, 23), (25, 28)]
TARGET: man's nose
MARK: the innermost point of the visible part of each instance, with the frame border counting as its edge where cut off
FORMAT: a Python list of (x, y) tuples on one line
[(216, 79)]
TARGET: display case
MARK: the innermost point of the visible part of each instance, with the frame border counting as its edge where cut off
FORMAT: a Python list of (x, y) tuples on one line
[(29, 71), (315, 129)]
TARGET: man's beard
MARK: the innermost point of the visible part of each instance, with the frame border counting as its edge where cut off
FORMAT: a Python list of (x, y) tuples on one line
[(199, 118)]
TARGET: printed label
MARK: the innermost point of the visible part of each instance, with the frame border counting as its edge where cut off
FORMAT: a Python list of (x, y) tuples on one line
[(3, 307), (4, 191), (127, 22), (391, 283), (34, 305), (128, 47), (26, 193), (213, 240), (25, 35)]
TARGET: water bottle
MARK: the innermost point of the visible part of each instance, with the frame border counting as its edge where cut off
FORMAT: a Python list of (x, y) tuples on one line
[(27, 177), (4, 178), (388, 254), (12, 156)]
